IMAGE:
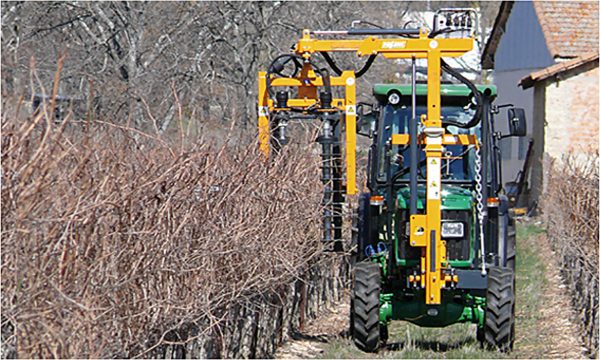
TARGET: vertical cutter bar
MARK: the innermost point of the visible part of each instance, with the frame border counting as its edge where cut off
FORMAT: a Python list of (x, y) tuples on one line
[(350, 112), (263, 114), (435, 251)]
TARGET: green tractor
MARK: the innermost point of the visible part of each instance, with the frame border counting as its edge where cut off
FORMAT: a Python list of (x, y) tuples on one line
[(477, 229), (433, 240)]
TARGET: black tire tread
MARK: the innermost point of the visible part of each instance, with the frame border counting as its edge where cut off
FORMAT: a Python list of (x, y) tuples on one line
[(366, 329), (498, 329)]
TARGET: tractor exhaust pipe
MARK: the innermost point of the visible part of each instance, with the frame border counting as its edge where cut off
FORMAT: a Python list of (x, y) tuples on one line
[(414, 151)]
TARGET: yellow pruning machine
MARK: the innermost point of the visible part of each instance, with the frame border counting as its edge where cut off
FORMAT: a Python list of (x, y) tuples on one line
[(433, 242)]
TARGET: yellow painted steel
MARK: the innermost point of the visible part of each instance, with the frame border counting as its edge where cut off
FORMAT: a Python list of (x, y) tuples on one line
[(350, 132), (425, 229), (263, 114), (436, 251), (347, 105), (448, 139), (400, 139), (392, 48), (418, 230)]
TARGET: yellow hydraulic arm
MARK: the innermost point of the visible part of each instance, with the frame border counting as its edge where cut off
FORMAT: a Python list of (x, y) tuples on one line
[(424, 229)]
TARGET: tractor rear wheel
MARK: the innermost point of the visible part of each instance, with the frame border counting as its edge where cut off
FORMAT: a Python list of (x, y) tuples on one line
[(499, 327), (366, 330)]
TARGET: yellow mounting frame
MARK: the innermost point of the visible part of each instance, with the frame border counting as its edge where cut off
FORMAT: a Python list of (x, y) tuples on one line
[(309, 93), (433, 260)]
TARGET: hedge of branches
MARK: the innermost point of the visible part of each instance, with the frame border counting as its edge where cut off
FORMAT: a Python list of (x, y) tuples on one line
[(108, 233), (571, 210)]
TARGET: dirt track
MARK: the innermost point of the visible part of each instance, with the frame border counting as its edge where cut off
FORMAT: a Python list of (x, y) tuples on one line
[(329, 327), (544, 328)]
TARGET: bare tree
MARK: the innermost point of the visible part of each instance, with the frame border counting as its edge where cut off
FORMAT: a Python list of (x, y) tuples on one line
[(137, 57)]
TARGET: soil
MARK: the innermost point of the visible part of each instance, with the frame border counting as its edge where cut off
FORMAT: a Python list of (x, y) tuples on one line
[(331, 325), (559, 334), (558, 329)]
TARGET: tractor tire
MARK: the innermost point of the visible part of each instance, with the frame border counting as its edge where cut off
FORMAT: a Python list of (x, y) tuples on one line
[(499, 327), (366, 330), (351, 327)]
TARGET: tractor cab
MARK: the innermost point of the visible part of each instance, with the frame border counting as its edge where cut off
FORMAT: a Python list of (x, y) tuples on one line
[(392, 115)]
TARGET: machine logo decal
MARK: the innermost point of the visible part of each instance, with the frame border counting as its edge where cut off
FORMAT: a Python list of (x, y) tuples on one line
[(393, 45)]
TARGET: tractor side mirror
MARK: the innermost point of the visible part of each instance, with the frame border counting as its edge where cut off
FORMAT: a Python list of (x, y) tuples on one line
[(366, 119), (517, 124)]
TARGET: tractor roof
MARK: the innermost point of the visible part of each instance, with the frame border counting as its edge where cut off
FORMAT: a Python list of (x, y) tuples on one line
[(459, 90)]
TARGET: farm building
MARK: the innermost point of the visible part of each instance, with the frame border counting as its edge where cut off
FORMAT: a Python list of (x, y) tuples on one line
[(545, 59)]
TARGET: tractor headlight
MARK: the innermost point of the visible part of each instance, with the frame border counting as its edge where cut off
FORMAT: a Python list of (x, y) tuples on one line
[(394, 98), (453, 229)]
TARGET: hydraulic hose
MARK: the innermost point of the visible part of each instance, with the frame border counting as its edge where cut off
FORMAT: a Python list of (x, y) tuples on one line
[(478, 98), (331, 63), (273, 67), (277, 67), (366, 67), (324, 73), (457, 75), (325, 96), (338, 71)]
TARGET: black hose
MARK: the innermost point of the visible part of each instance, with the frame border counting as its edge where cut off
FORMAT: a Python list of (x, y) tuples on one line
[(365, 68), (271, 69), (331, 63), (457, 75), (478, 98), (324, 73), (338, 71), (441, 31)]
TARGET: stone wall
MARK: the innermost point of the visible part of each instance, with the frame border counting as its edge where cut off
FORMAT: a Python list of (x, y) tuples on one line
[(565, 120), (572, 114), (256, 327)]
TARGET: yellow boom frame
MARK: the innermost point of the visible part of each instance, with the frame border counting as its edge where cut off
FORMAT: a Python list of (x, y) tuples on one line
[(424, 229)]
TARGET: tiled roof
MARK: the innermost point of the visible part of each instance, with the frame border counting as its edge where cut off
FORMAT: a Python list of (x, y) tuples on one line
[(559, 68), (570, 27)]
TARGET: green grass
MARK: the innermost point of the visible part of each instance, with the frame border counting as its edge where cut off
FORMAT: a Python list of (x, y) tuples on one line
[(408, 341), (531, 282), (459, 341)]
